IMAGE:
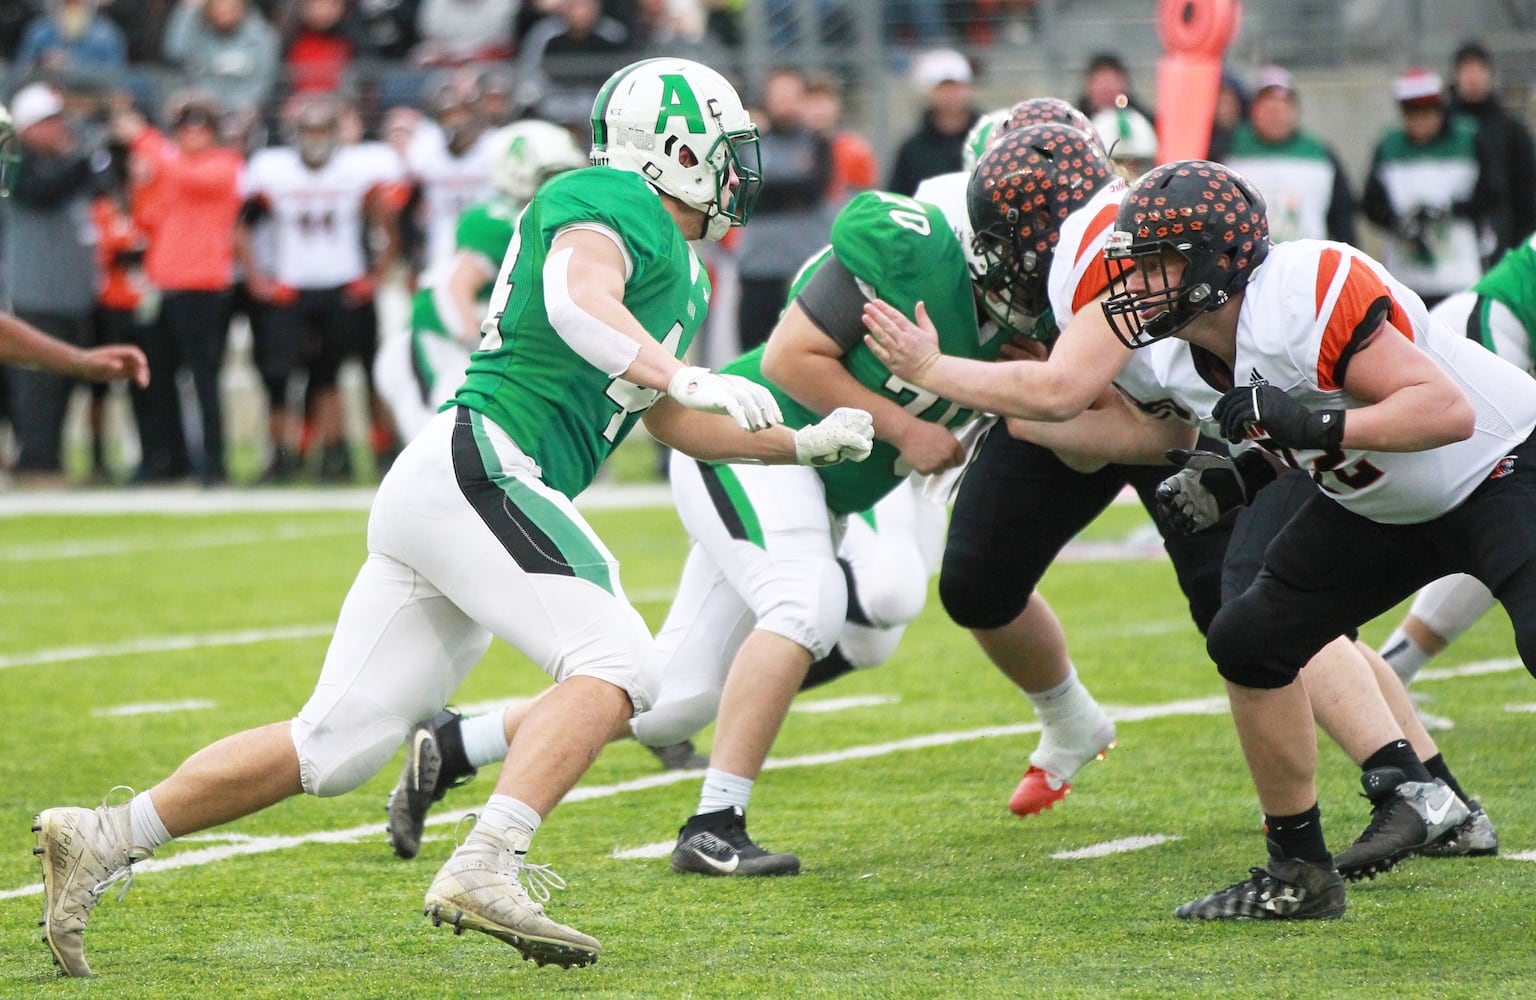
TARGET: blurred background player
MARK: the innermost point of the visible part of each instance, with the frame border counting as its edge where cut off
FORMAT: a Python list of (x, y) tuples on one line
[(324, 196), (450, 160), (418, 371)]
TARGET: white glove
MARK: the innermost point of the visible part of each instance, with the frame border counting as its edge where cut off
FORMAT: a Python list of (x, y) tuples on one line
[(751, 405), (844, 435)]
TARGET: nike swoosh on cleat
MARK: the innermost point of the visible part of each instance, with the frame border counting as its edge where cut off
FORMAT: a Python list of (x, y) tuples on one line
[(723, 867), (421, 739), (1438, 813)]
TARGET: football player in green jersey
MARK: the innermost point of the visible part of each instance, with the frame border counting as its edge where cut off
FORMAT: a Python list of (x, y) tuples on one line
[(420, 371), (473, 531), (764, 559)]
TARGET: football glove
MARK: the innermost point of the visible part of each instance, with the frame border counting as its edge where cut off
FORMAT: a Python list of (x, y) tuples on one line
[(1264, 411), (751, 405), (844, 435), (1209, 486)]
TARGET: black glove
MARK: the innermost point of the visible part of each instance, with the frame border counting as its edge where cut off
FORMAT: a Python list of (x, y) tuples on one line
[(1209, 486), (1263, 411)]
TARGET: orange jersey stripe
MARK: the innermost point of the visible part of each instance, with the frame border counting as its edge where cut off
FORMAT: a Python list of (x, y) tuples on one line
[(1362, 289), (1096, 278)]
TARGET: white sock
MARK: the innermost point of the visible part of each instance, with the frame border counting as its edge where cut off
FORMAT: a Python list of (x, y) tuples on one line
[(1406, 656), (722, 790), (511, 818), (145, 824), (1066, 699), (485, 739)]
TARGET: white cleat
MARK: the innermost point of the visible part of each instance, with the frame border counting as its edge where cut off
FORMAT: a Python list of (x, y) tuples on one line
[(83, 851), (480, 888)]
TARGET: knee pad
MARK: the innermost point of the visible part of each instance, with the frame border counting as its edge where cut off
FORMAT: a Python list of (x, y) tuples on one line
[(630, 664), (344, 749), (980, 602), (675, 720), (864, 648), (808, 607), (1247, 655)]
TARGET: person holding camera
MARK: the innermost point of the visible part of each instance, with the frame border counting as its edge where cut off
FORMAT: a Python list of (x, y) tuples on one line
[(1437, 191)]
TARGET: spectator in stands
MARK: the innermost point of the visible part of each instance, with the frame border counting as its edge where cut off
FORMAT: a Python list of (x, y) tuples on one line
[(73, 45), (1507, 139), (1105, 80), (225, 48), (188, 198), (1435, 191), (1300, 176), (121, 297), (387, 28), (666, 26), (944, 76), (454, 32), (1231, 111), (791, 221), (567, 56), (47, 248), (142, 23), (319, 49), (854, 167), (497, 102)]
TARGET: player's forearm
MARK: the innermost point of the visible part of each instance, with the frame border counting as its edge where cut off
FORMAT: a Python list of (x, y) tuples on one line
[(1031, 390), (25, 345), (1111, 433), (1414, 418), (713, 438)]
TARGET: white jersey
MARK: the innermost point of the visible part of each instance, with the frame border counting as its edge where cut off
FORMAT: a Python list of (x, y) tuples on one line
[(449, 184), (1306, 309), (318, 230)]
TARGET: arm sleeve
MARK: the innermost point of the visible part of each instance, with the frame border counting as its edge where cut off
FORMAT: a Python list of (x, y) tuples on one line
[(833, 301)]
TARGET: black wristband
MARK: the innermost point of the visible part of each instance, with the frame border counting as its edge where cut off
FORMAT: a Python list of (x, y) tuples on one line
[(1255, 470), (1325, 430)]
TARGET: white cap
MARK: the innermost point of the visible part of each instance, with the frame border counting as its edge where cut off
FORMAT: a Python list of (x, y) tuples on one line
[(34, 103), (1418, 86), (1274, 78), (938, 66)]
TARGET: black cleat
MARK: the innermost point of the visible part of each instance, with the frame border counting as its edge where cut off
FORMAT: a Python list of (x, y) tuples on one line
[(1284, 889), (716, 843), (1406, 817), (424, 779)]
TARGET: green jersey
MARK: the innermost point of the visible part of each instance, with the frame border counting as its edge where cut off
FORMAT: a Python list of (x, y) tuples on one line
[(485, 229), (562, 412), (904, 252), (1511, 281)]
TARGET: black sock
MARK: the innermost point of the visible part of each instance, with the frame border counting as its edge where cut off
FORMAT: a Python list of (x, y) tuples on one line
[(828, 668), (1437, 768), (1398, 754), (450, 744), (1299, 836)]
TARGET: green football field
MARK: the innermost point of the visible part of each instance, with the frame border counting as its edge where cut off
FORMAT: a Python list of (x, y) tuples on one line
[(129, 640)]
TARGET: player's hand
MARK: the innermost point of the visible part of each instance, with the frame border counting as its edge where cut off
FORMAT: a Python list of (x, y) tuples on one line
[(112, 362), (844, 435), (359, 291), (270, 290), (1254, 411), (908, 349), (751, 405), (930, 448), (1209, 486)]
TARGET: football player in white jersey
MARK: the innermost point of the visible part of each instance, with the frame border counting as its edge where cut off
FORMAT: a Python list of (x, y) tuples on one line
[(324, 198), (417, 371), (1348, 379), (473, 531), (1498, 312), (1369, 725), (450, 159)]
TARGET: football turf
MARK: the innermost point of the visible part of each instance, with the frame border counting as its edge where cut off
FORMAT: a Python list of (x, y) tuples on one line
[(129, 641)]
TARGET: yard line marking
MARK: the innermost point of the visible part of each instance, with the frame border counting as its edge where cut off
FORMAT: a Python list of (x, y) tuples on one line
[(43, 551), (239, 844), (1120, 846), (1527, 707), (1470, 669), (152, 707), (843, 704), (645, 852), (1522, 856), (165, 643)]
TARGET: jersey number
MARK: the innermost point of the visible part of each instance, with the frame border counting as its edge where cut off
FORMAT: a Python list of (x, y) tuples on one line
[(908, 213), (1326, 472)]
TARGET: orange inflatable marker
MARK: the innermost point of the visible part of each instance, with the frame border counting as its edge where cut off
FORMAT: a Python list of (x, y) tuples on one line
[(1195, 34)]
